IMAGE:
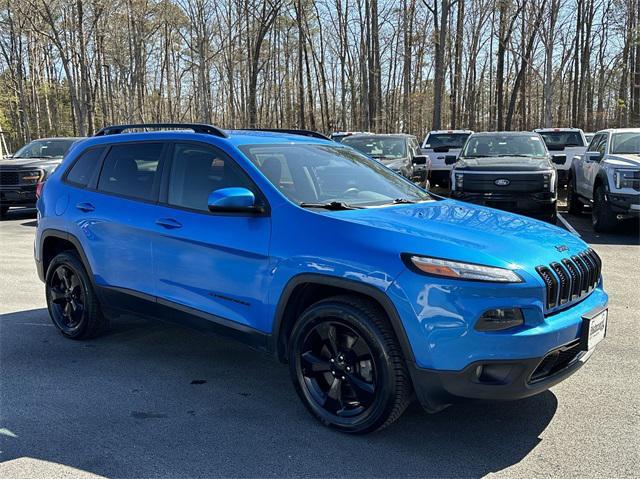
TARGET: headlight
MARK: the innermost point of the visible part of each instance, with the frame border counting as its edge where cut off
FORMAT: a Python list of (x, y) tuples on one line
[(549, 181), (459, 180), (458, 270), (627, 178)]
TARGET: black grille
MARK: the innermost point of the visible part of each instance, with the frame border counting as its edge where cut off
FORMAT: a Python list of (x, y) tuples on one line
[(25, 177), (9, 178), (551, 284), (556, 361), (565, 283), (570, 279)]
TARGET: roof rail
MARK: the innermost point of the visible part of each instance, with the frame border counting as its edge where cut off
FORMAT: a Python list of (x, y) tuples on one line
[(292, 131), (196, 127)]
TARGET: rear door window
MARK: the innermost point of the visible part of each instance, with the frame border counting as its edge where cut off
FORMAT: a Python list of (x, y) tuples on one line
[(130, 170), (85, 167)]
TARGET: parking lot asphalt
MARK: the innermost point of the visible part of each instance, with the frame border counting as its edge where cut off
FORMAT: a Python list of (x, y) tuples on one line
[(155, 400)]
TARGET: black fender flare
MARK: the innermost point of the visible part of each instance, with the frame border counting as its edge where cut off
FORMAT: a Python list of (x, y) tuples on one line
[(357, 287), (54, 233)]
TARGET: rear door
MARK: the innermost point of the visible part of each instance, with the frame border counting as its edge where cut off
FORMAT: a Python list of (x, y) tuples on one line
[(584, 167), (114, 213), (214, 263)]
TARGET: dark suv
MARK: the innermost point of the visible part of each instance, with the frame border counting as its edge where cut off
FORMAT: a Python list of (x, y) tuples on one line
[(510, 171), (32, 164)]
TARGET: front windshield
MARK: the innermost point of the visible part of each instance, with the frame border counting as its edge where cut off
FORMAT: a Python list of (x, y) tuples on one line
[(446, 140), (321, 174), (559, 140), (44, 149), (626, 143), (480, 146), (382, 148)]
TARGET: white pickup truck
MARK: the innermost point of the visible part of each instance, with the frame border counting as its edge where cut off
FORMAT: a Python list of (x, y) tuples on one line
[(607, 176), (442, 147), (563, 142)]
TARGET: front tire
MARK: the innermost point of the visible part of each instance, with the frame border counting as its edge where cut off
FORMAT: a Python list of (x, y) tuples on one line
[(71, 300), (603, 217), (347, 366)]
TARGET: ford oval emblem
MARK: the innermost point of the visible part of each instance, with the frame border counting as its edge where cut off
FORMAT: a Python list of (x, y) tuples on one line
[(501, 182)]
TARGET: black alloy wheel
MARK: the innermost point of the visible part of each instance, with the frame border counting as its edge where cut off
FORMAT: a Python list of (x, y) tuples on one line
[(67, 298), (347, 366), (72, 303), (338, 369)]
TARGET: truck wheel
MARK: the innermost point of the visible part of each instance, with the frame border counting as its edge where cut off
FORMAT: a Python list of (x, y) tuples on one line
[(3, 211), (347, 366), (71, 300), (602, 216), (574, 205)]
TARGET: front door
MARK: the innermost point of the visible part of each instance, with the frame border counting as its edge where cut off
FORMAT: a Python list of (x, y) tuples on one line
[(212, 263)]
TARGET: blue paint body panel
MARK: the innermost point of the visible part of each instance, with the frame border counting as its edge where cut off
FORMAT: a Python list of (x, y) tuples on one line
[(237, 267)]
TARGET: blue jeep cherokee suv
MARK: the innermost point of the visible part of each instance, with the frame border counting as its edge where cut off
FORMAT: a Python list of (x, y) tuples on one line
[(372, 290)]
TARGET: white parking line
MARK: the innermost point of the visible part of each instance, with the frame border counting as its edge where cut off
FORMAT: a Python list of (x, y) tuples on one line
[(568, 225)]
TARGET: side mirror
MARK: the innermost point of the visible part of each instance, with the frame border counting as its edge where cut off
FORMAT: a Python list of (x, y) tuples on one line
[(233, 200), (419, 160), (592, 156), (450, 159), (559, 159)]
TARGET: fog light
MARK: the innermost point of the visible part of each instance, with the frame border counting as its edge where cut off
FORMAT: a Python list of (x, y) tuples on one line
[(500, 319)]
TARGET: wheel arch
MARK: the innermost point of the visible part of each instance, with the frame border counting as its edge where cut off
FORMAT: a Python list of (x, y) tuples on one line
[(53, 242), (307, 288)]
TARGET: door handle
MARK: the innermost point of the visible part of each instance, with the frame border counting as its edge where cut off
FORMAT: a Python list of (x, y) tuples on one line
[(168, 223), (86, 207)]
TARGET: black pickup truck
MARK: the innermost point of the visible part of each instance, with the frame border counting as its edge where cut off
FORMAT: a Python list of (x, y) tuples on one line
[(512, 171), (32, 164)]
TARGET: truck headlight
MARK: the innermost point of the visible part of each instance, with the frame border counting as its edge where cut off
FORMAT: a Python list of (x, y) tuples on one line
[(549, 180), (627, 178), (459, 180), (459, 270)]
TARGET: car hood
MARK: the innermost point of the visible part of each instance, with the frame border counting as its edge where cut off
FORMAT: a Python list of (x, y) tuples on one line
[(622, 161), (504, 163), (466, 232), (44, 163)]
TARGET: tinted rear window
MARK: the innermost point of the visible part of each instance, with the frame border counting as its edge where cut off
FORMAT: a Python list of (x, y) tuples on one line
[(446, 140), (84, 168), (130, 170), (559, 140)]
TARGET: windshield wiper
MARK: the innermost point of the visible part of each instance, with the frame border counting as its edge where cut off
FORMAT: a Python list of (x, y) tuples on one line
[(402, 201), (515, 154), (332, 205)]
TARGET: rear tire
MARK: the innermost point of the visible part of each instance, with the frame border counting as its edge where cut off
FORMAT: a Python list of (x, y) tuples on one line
[(603, 217), (347, 366), (71, 300), (3, 211), (574, 205)]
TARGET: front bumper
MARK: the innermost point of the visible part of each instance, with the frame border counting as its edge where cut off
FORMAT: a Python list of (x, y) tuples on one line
[(534, 204), (21, 195), (625, 204), (497, 379)]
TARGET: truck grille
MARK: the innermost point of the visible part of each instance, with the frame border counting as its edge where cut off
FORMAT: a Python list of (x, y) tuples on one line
[(9, 178), (486, 183), (24, 177), (571, 279)]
